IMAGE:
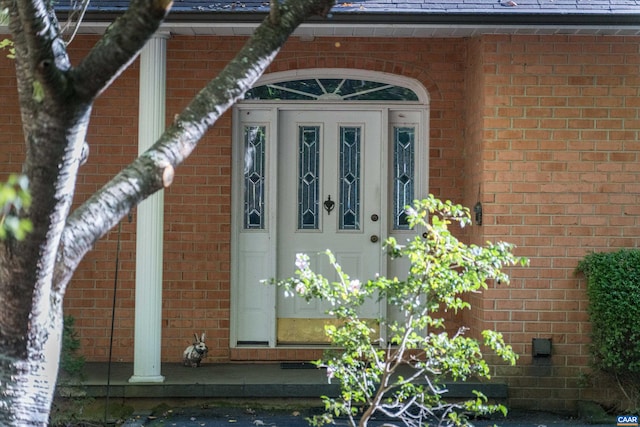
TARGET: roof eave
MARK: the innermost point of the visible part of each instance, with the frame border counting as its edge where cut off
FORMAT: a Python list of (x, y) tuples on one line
[(623, 17), (455, 24)]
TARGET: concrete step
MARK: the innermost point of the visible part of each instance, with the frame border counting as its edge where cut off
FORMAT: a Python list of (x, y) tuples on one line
[(233, 380)]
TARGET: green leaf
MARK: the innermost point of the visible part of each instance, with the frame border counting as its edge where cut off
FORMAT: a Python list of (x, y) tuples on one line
[(38, 92), (4, 16), (14, 201)]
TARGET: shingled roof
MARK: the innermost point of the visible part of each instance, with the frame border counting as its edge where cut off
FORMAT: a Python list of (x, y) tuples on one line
[(563, 7), (448, 17)]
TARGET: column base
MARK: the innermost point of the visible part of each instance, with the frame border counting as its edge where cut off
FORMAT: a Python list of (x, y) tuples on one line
[(147, 379)]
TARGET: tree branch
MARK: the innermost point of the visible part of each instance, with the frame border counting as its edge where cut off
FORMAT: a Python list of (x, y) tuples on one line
[(118, 47), (153, 170), (41, 57), (274, 11)]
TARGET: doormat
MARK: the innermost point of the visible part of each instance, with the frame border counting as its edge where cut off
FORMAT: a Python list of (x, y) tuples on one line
[(297, 365)]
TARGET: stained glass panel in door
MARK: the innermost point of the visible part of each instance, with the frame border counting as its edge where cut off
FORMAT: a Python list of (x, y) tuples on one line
[(349, 178), (308, 177), (254, 177), (403, 174)]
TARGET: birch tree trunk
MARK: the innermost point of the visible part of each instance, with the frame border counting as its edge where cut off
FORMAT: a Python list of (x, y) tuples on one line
[(55, 102)]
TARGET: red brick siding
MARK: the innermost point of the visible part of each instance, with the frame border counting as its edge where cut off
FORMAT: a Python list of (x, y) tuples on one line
[(113, 140), (560, 150), (474, 165)]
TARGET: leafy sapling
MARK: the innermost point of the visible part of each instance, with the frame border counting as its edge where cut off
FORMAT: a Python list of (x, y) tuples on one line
[(403, 379)]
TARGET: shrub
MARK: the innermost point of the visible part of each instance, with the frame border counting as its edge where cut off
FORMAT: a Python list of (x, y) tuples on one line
[(405, 379), (71, 363), (70, 400), (613, 288)]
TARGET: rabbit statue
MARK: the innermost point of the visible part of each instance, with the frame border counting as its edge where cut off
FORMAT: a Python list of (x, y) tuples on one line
[(194, 354)]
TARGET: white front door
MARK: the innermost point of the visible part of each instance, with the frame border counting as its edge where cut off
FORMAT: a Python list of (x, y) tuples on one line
[(329, 197)]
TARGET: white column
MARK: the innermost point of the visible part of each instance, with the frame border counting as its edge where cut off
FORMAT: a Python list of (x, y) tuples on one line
[(150, 219)]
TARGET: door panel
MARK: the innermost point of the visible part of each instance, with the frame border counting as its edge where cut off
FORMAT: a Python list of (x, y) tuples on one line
[(329, 198)]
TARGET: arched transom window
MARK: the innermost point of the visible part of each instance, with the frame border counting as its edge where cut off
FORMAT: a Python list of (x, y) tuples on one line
[(331, 89)]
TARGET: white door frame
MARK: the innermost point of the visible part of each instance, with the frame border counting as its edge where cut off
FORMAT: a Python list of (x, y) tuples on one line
[(253, 252)]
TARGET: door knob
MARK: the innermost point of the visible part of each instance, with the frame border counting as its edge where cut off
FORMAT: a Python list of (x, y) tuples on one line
[(373, 238)]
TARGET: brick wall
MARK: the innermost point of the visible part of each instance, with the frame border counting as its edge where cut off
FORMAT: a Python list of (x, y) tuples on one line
[(11, 137), (475, 166), (196, 295), (113, 140), (560, 179)]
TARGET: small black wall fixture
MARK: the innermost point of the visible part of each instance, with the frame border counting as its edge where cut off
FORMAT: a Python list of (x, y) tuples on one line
[(541, 347), (477, 209)]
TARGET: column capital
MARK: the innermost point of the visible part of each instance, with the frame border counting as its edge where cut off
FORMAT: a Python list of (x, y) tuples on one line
[(160, 34)]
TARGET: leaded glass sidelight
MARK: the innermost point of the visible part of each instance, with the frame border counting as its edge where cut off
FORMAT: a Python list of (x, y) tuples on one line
[(349, 179), (403, 174), (254, 177), (309, 177)]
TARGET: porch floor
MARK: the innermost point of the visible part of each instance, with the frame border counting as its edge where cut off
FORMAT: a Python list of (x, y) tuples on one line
[(237, 380)]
